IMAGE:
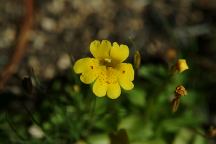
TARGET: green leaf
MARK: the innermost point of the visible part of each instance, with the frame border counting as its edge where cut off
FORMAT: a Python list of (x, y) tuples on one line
[(199, 139), (98, 139), (184, 136), (137, 97)]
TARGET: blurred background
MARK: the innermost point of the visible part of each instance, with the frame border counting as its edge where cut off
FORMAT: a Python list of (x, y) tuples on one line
[(43, 101)]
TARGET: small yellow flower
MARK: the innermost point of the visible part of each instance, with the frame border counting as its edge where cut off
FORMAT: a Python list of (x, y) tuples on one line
[(181, 65), (106, 71)]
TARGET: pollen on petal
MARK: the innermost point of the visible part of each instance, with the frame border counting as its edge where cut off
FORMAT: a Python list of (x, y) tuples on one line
[(112, 75)]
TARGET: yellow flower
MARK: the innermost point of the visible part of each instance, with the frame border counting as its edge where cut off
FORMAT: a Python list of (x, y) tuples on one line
[(181, 65), (106, 71)]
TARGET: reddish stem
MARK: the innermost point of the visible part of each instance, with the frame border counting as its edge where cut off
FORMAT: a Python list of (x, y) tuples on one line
[(20, 48)]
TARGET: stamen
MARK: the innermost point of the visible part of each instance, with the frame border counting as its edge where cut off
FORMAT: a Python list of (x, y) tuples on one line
[(108, 60)]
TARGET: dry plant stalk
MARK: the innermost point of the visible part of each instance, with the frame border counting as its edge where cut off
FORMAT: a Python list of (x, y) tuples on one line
[(179, 92), (20, 48)]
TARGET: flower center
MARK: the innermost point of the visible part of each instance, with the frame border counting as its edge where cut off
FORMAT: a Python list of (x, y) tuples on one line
[(111, 76), (107, 62)]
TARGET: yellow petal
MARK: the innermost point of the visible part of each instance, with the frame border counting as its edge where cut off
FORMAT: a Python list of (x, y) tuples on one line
[(119, 53), (81, 65), (99, 88), (126, 76), (100, 85), (100, 50), (88, 77), (181, 65), (125, 83), (85, 64), (126, 70), (113, 91)]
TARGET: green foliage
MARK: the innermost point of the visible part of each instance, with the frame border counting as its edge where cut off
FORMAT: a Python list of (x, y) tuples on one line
[(70, 113)]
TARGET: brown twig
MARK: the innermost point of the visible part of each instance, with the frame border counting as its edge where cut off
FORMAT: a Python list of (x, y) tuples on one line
[(20, 48)]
